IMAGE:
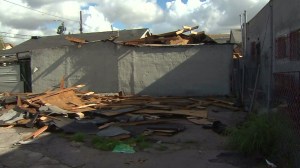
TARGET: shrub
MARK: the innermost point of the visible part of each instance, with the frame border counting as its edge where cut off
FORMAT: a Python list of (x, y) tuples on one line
[(270, 135)]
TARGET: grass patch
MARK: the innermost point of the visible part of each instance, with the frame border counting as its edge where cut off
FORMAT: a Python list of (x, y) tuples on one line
[(78, 137), (270, 135), (105, 144), (141, 142)]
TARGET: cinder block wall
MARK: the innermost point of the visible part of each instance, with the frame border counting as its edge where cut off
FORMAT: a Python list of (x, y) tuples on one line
[(195, 70), (176, 71)]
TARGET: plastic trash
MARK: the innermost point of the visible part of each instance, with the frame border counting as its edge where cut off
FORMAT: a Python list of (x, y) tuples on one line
[(123, 148)]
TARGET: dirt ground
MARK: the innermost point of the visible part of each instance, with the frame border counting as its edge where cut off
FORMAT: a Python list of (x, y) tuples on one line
[(195, 147)]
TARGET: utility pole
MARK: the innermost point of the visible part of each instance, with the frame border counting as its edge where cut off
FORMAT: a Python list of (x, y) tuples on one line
[(80, 29), (272, 48), (2, 46), (245, 32)]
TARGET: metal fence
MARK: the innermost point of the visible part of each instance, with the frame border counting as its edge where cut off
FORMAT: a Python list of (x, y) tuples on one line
[(286, 100), (287, 96)]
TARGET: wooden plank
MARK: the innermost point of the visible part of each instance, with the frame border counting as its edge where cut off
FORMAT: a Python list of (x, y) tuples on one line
[(145, 122), (120, 111), (36, 133), (40, 131), (63, 99), (52, 93), (62, 83), (75, 40), (19, 101), (158, 107), (106, 125), (178, 41), (84, 106), (199, 121), (195, 113)]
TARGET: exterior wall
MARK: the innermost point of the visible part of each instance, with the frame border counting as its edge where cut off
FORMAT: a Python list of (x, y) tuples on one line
[(182, 70), (107, 67), (259, 53), (286, 20), (94, 65), (277, 19), (10, 79)]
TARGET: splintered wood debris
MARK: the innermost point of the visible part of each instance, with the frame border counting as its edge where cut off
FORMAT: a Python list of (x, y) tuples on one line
[(72, 110), (174, 38)]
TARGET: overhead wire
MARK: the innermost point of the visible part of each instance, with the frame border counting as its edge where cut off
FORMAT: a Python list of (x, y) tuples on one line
[(15, 37), (44, 13), (14, 34)]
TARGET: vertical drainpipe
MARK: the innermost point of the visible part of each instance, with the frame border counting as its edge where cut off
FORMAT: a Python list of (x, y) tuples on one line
[(271, 57)]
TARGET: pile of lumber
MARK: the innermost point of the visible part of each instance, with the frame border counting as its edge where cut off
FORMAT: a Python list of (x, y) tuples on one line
[(109, 115)]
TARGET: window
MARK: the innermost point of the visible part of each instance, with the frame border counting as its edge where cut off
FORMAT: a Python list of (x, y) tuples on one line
[(281, 47), (295, 45)]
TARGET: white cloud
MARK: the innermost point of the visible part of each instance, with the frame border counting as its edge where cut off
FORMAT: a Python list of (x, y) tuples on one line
[(132, 13), (96, 21), (212, 16)]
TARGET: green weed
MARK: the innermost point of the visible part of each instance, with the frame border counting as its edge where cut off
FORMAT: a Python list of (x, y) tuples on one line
[(78, 137), (270, 135)]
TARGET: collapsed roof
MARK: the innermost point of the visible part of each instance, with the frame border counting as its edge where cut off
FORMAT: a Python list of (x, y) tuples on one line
[(174, 38)]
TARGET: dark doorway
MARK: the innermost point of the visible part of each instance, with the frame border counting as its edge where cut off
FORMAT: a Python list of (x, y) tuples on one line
[(25, 71)]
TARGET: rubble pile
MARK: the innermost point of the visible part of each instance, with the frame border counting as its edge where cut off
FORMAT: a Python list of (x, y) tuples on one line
[(113, 115)]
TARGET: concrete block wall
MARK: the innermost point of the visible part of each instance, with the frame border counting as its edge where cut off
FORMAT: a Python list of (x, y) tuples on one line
[(94, 65), (182, 70), (195, 70)]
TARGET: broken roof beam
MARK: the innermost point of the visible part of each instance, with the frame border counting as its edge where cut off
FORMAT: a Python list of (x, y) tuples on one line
[(75, 40), (150, 40), (174, 33)]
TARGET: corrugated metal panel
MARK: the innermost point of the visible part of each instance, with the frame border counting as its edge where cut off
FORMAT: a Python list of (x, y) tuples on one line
[(10, 73), (16, 87), (10, 80)]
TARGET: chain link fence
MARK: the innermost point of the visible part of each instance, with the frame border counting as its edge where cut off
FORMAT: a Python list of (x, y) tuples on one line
[(286, 100)]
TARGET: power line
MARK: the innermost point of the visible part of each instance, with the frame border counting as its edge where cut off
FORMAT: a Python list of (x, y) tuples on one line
[(15, 37), (14, 34), (44, 13)]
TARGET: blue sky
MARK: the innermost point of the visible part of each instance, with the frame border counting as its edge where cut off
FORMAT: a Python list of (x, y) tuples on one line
[(214, 16)]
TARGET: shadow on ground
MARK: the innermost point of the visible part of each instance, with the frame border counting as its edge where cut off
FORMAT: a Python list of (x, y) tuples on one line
[(194, 147)]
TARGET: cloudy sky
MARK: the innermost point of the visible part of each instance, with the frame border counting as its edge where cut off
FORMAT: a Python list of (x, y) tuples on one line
[(20, 19)]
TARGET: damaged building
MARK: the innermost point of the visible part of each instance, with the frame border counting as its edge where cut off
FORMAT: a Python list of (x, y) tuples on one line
[(133, 61)]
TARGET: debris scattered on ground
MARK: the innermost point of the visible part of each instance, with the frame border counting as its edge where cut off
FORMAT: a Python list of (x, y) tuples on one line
[(114, 115)]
